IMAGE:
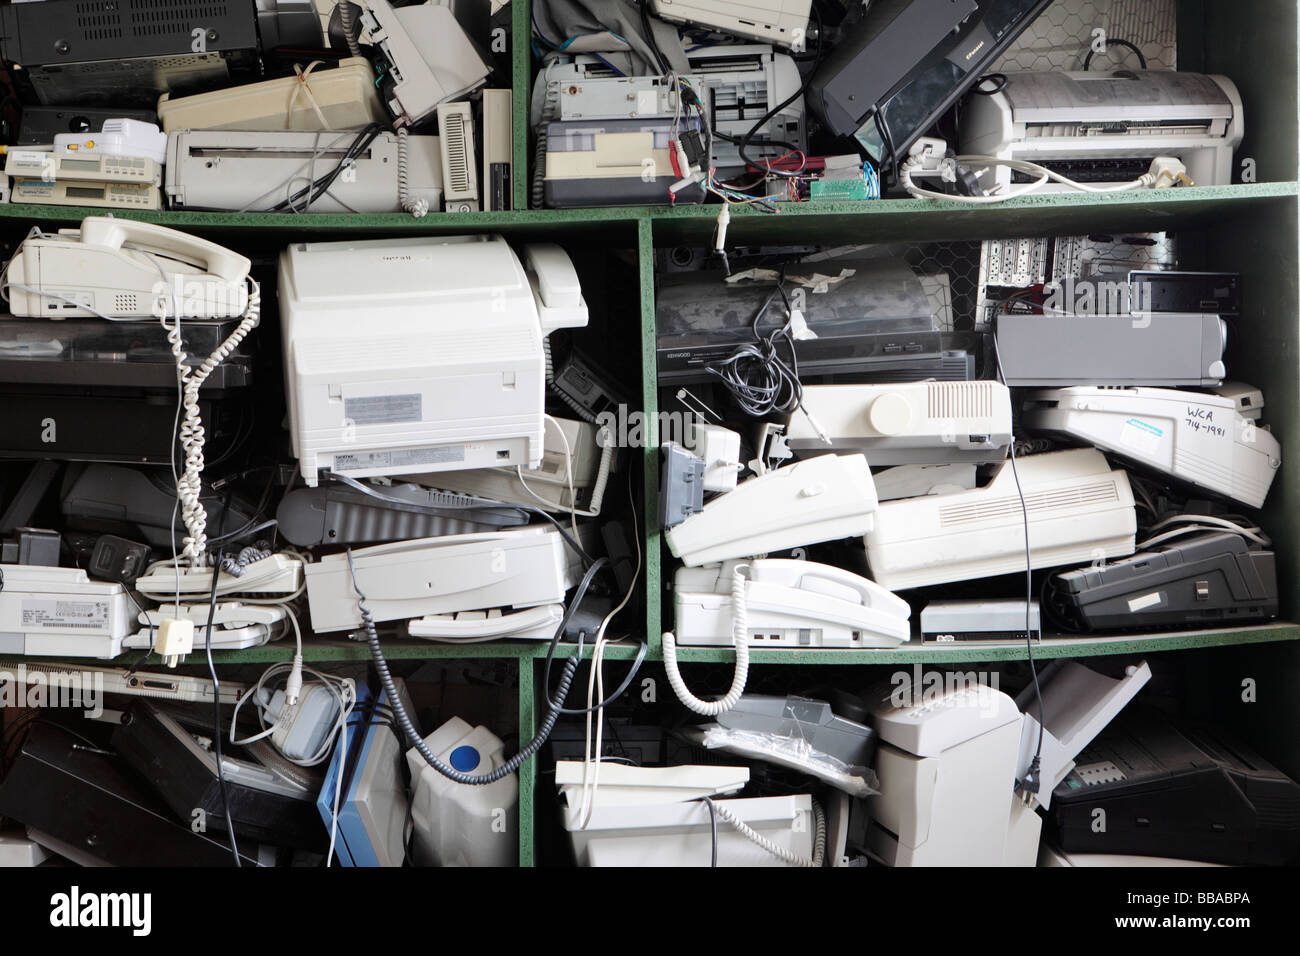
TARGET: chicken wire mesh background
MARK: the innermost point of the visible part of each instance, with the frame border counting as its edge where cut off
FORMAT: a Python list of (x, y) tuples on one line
[(1059, 39)]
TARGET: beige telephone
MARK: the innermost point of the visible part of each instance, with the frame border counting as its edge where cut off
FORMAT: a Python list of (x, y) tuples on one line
[(120, 268)]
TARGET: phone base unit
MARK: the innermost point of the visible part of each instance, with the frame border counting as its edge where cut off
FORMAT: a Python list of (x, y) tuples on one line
[(1216, 578), (447, 369), (125, 269), (912, 423), (788, 603), (990, 619), (520, 568), (1194, 437), (1078, 510), (53, 612), (818, 499)]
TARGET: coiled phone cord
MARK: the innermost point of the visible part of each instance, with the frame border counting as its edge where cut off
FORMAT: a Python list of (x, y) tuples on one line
[(781, 853), (740, 632)]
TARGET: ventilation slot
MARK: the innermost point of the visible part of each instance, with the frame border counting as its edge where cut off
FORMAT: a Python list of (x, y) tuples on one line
[(1043, 501), (457, 162), (947, 400)]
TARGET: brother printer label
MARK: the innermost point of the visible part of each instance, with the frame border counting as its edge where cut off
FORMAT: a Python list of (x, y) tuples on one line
[(383, 409), (1140, 435), (400, 458), (91, 615)]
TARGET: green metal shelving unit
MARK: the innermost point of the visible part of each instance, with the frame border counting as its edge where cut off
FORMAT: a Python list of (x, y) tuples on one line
[(1250, 227)]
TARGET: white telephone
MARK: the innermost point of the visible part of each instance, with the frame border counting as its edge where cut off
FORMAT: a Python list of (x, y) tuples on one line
[(789, 603), (119, 268)]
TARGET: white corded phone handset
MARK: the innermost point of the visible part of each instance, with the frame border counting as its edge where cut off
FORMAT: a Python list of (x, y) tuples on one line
[(123, 269), (556, 288)]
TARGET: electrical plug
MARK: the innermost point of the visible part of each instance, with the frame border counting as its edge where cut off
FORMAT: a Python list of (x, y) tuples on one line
[(1166, 171)]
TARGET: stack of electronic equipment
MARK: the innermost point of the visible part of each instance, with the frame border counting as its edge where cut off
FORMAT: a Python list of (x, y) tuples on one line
[(752, 103), (1123, 483), (259, 108), (130, 767)]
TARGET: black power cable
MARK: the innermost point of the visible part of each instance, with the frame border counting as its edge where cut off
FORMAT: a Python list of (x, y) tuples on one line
[(216, 709), (1087, 60)]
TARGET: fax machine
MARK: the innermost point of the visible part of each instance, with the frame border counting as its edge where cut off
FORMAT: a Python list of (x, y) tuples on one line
[(1106, 128), (415, 355)]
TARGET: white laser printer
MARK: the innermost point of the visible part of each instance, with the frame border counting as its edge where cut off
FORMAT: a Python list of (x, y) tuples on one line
[(416, 355), (1105, 128)]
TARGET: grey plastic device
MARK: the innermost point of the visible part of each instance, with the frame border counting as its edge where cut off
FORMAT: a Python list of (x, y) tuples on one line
[(36, 546), (990, 619), (1158, 349), (875, 52), (812, 721), (334, 514), (681, 486)]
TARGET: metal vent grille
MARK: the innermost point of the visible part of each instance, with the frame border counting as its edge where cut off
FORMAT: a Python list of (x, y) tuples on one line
[(457, 172)]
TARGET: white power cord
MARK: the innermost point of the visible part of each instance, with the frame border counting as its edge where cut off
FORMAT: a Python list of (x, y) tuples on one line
[(927, 158), (419, 208), (603, 471), (1189, 523), (780, 852), (740, 632)]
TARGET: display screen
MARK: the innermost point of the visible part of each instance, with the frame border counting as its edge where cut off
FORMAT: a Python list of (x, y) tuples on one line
[(85, 192), (87, 164)]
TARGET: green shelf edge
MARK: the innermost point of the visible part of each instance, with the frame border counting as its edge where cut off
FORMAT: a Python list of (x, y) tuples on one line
[(921, 210)]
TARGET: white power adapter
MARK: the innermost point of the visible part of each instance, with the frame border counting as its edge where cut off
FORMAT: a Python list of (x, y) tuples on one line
[(175, 640)]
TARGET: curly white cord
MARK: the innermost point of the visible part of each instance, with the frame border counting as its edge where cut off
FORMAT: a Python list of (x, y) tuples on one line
[(419, 208), (780, 852), (740, 632), (191, 435)]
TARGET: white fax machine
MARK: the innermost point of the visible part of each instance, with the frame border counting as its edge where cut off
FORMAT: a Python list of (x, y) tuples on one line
[(1079, 510), (1104, 128), (1195, 437), (788, 603), (519, 568), (818, 499), (405, 356), (60, 612), (906, 423)]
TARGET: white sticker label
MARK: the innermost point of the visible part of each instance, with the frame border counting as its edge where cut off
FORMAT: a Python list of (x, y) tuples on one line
[(383, 409), (1145, 601), (1141, 436), (62, 615), (400, 458)]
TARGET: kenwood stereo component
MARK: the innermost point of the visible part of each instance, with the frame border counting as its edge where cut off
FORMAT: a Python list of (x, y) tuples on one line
[(1161, 349), (914, 423), (818, 499), (245, 171), (864, 315), (343, 97), (126, 52), (1079, 510), (40, 124), (788, 603), (519, 568), (337, 514), (1216, 578), (1177, 789), (60, 612), (914, 96), (430, 59), (780, 22), (982, 619), (448, 370), (1194, 437), (1105, 128), (614, 162)]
